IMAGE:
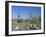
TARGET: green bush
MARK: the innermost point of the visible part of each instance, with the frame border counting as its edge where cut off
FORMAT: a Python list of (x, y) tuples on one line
[(19, 20)]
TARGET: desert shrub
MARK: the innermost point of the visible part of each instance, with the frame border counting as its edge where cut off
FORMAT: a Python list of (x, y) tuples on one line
[(36, 23), (19, 20), (26, 20)]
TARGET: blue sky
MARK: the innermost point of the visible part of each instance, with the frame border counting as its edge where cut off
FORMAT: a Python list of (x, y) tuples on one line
[(23, 11)]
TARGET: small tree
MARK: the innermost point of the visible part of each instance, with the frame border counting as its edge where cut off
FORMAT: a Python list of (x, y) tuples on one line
[(19, 20)]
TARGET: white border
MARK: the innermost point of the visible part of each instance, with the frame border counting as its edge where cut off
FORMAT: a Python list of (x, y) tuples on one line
[(30, 31)]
